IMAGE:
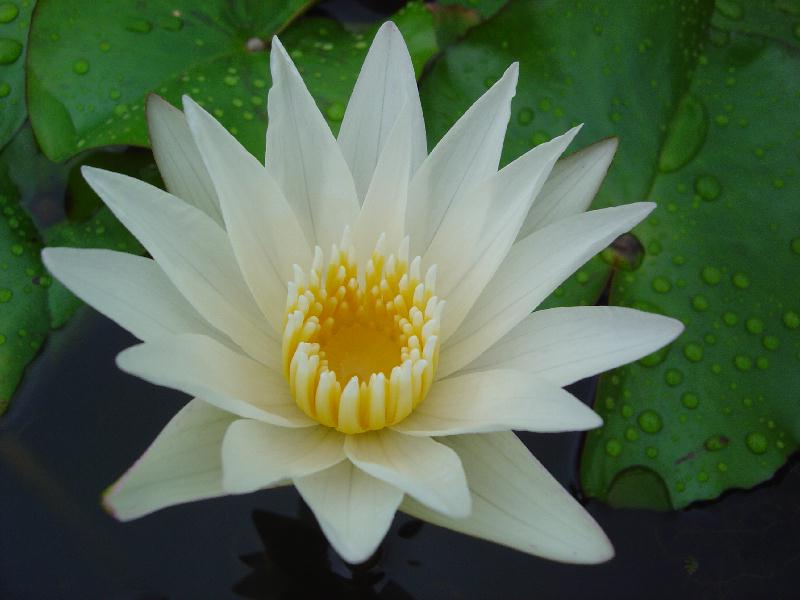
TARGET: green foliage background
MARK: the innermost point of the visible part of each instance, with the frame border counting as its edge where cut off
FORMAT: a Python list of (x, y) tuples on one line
[(703, 97)]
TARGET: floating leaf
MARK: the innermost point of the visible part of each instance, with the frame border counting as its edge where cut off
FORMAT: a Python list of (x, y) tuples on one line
[(23, 290), (720, 253), (698, 135), (92, 64), (14, 23)]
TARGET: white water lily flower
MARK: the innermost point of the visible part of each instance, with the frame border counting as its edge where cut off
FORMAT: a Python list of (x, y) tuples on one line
[(355, 317)]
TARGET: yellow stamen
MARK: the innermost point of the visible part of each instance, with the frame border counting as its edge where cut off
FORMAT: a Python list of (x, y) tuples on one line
[(360, 348)]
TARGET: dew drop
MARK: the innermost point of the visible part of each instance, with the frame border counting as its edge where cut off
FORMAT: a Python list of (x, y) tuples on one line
[(762, 362), (754, 325), (627, 410), (711, 275), (81, 66), (230, 80), (138, 25), (743, 363), (661, 285), (690, 400), (702, 476), (5, 89), (707, 187), (10, 51), (673, 377), (613, 447), (2, 339), (539, 137), (741, 281), (693, 352), (335, 111), (5, 295), (716, 442), (650, 421), (770, 342), (796, 30), (8, 12), (756, 442), (700, 302), (730, 318), (685, 135), (651, 452), (791, 319), (17, 249), (524, 116), (631, 434), (680, 486)]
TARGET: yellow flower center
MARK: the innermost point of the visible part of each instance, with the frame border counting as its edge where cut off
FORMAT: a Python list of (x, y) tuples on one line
[(360, 347)]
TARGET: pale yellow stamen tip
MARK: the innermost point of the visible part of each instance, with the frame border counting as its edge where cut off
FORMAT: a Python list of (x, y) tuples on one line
[(360, 349)]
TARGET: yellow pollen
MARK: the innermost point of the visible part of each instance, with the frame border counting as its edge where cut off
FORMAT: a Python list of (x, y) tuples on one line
[(360, 348)]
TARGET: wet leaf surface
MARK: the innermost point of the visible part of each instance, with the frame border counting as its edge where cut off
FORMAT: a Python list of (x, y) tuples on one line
[(24, 321), (15, 18), (92, 65), (695, 108)]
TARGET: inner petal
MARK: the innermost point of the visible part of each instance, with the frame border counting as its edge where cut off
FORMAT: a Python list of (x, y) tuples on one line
[(360, 344)]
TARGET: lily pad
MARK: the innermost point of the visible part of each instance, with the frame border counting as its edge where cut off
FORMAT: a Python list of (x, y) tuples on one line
[(696, 113), (723, 250), (92, 64), (24, 320), (15, 20)]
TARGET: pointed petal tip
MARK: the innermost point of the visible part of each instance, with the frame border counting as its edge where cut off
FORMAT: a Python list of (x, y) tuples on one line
[(387, 28)]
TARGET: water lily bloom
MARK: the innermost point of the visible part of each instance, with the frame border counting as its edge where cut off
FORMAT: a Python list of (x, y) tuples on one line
[(356, 316)]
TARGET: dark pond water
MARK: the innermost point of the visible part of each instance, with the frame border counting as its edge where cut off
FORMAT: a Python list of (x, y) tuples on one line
[(78, 422)]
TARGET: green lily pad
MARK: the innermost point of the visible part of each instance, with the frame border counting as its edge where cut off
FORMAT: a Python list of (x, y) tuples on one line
[(721, 252), (15, 20), (92, 64), (24, 320), (709, 129)]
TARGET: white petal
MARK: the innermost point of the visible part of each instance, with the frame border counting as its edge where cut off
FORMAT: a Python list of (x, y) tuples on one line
[(192, 250), (563, 345), (131, 290), (385, 83), (198, 365), (354, 509), (497, 400), (421, 467), (257, 455), (304, 157), (571, 186), (263, 230), (517, 503), (465, 156), (182, 464), (177, 157), (533, 268), (385, 204), (474, 240)]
